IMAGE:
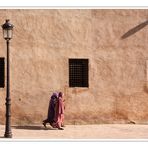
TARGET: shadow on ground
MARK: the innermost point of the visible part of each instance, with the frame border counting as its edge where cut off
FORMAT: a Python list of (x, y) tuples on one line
[(33, 127)]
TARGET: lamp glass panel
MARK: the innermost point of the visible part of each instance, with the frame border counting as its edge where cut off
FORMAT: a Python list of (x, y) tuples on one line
[(7, 34)]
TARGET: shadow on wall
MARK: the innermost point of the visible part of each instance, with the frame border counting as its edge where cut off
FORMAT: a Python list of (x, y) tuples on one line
[(145, 88), (135, 29)]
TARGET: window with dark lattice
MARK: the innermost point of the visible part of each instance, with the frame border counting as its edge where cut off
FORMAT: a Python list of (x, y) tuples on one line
[(2, 71), (78, 72)]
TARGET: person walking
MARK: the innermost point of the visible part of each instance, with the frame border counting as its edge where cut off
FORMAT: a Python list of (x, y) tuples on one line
[(61, 96), (51, 110), (59, 113)]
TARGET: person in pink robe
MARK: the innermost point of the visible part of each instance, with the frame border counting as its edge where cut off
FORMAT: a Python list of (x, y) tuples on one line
[(59, 113)]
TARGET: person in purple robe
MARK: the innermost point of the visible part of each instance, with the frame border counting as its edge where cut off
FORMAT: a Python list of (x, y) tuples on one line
[(51, 110)]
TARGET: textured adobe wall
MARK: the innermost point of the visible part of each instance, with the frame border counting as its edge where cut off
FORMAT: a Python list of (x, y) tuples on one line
[(43, 42)]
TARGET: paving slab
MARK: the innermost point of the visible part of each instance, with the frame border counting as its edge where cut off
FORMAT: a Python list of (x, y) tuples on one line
[(100, 131)]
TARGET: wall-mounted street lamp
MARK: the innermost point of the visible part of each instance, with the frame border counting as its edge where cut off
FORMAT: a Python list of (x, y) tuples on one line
[(7, 34)]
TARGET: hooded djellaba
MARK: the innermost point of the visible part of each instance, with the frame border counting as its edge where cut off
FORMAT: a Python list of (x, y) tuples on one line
[(51, 110)]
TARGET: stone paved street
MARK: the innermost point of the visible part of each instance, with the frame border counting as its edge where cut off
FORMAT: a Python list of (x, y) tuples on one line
[(102, 131)]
